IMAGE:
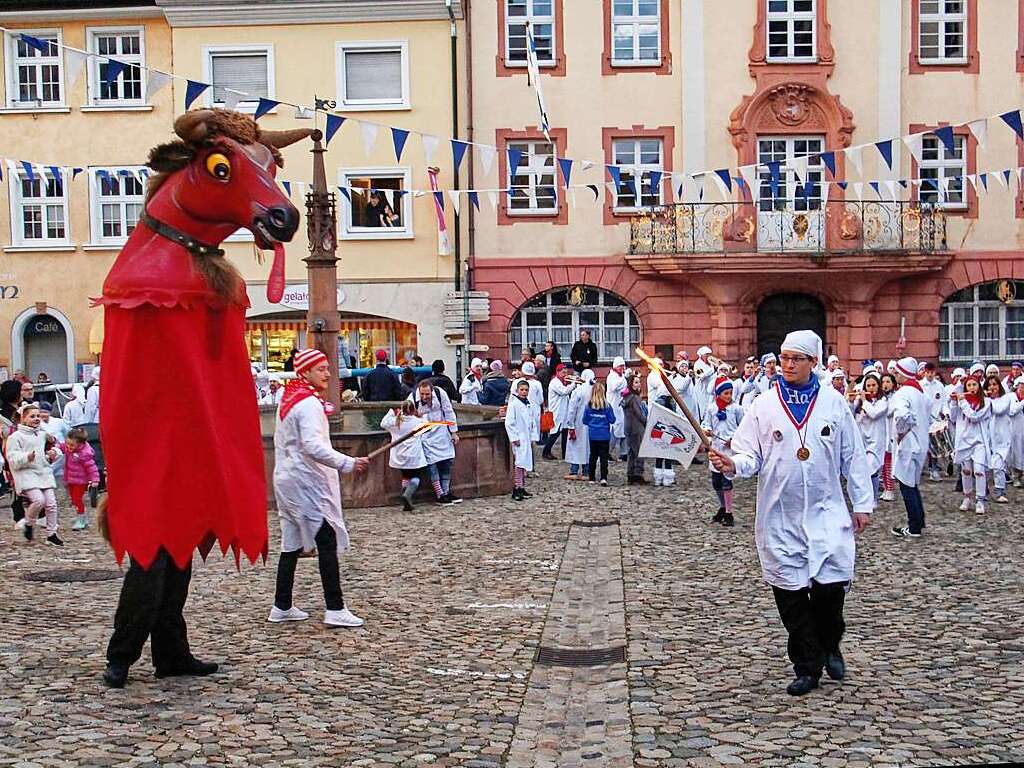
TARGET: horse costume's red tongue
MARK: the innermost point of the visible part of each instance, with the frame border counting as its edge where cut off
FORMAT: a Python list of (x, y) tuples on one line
[(275, 283)]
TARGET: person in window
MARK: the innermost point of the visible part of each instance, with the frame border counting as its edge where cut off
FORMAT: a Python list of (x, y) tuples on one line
[(553, 359), (378, 212), (382, 384), (584, 352)]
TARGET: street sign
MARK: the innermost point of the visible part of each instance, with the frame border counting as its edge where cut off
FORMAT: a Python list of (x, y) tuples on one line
[(478, 348)]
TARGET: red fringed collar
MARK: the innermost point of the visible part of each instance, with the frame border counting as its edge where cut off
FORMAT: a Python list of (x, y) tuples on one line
[(297, 390)]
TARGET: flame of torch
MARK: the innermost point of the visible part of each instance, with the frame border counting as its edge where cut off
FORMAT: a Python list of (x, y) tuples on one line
[(675, 396), (419, 430)]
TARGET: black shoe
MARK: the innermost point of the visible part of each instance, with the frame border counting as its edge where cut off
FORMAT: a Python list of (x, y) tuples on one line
[(115, 675), (191, 668), (727, 520), (28, 530), (802, 685), (55, 540), (697, 460), (453, 499), (442, 501), (517, 494), (719, 515), (525, 493), (548, 457), (959, 485), (835, 667), (406, 504)]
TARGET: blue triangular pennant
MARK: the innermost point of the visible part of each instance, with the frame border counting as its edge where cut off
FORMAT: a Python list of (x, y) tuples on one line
[(43, 46), (931, 184), (398, 139), (474, 198), (397, 193), (902, 183), (75, 172), (740, 183), (193, 90), (726, 178), (1012, 119), (514, 158), (616, 173), (874, 186), (636, 190), (55, 172), (114, 70), (842, 185), (775, 176), (593, 188), (1006, 177), (264, 106), (656, 177), (287, 187), (983, 178), (945, 135), (829, 160), (439, 198), (565, 164), (333, 124), (345, 193), (458, 152), (30, 172), (885, 150)]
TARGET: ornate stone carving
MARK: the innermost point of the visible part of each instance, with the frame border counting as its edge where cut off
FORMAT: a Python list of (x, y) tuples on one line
[(791, 103)]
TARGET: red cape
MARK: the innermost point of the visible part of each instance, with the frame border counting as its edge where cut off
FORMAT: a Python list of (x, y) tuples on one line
[(179, 420)]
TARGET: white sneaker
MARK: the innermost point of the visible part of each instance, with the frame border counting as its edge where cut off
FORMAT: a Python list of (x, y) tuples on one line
[(1001, 499), (934, 476), (965, 505), (657, 476), (292, 614), (669, 478), (1017, 483), (888, 496), (20, 525), (342, 618), (979, 508)]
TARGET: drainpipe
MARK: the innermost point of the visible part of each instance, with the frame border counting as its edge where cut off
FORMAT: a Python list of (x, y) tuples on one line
[(455, 178)]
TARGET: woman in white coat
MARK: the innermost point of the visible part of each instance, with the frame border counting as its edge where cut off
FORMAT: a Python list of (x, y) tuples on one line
[(519, 426), (1017, 431), (1000, 438), (407, 457), (970, 450), (616, 386), (801, 440), (871, 411), (559, 392), (433, 404), (577, 447), (308, 491), (682, 382)]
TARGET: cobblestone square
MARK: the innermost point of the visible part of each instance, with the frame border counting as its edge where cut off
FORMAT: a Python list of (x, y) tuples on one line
[(459, 599)]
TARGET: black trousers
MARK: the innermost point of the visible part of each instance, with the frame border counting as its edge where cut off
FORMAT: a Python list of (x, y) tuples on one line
[(813, 617), (330, 576), (552, 438), (151, 607), (598, 450)]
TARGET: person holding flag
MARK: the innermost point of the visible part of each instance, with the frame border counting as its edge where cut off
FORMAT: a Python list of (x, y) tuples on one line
[(801, 439)]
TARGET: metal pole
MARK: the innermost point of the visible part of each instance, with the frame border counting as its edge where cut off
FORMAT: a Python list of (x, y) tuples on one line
[(455, 176)]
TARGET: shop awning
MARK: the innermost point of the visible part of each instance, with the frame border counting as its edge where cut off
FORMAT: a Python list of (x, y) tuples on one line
[(96, 334), (275, 325), (347, 324)]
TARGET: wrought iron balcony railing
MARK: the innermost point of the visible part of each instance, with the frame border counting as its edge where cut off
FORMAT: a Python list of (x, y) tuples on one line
[(840, 226)]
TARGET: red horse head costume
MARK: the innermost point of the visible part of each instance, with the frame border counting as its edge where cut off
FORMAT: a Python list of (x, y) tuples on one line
[(180, 424)]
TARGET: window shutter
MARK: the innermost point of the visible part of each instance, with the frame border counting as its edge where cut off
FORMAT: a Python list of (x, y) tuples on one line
[(245, 72), (373, 75)]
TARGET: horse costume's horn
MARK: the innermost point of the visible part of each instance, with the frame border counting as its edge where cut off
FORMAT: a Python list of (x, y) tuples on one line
[(191, 126), (280, 139)]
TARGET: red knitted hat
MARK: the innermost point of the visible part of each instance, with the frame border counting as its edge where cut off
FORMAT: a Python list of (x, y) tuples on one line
[(308, 358)]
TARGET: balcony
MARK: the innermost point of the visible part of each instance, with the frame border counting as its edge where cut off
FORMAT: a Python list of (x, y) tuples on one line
[(839, 227)]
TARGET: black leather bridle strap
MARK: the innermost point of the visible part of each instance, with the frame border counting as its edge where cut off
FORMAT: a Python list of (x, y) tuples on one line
[(176, 235)]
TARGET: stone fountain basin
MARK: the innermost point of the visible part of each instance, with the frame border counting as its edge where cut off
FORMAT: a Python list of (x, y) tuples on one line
[(483, 457)]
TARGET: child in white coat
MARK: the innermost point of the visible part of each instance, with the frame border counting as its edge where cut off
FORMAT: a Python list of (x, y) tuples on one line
[(871, 410), (970, 450), (1017, 431), (721, 421), (536, 396), (1000, 436), (519, 426), (407, 457), (29, 461)]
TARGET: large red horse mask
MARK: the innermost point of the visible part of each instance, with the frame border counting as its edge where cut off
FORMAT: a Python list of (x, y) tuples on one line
[(180, 424)]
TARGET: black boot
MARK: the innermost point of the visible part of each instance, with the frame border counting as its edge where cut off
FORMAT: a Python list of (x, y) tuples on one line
[(191, 668), (802, 685), (719, 515), (727, 520), (115, 675), (835, 666), (517, 494)]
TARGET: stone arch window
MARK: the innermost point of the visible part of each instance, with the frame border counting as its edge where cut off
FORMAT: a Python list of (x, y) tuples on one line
[(983, 322), (561, 314)]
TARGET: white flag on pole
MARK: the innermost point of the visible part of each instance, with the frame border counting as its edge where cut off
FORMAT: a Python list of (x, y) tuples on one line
[(669, 435)]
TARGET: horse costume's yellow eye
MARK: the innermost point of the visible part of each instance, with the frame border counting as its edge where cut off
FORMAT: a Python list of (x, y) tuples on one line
[(219, 166)]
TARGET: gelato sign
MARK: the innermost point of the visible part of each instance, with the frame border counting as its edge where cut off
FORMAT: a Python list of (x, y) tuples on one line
[(297, 296)]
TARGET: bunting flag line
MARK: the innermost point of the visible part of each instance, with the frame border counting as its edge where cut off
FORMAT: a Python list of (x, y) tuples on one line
[(264, 106), (333, 124), (193, 91), (398, 139), (458, 152), (885, 150), (533, 75)]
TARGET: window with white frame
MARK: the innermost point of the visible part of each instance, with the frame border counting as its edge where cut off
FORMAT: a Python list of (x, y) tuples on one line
[(373, 75), (636, 32), (115, 203), (942, 173), (39, 209), (789, 192), (540, 14), (376, 203), (942, 32), (636, 160), (534, 182), (233, 70), (791, 30), (125, 45), (34, 70), (974, 324), (561, 314)]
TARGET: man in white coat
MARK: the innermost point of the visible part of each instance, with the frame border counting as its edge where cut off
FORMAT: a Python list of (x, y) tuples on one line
[(439, 444), (559, 392), (911, 414), (704, 372), (801, 440), (933, 391), (616, 384), (92, 398), (472, 384), (308, 491), (577, 447)]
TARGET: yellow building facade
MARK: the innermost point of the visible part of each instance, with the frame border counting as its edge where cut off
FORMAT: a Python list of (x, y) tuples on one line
[(388, 66)]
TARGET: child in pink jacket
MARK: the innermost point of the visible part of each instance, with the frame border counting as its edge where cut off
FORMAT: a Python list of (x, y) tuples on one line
[(80, 471)]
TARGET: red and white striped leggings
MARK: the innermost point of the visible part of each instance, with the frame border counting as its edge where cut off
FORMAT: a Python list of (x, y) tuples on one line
[(888, 482)]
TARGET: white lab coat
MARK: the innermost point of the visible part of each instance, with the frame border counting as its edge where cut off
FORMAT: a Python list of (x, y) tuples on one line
[(655, 387), (437, 443), (59, 429), (684, 386), (408, 455), (933, 390), (803, 527), (558, 402), (745, 391), (1000, 439), (951, 408), (722, 430), (306, 482), (616, 383), (704, 375), (74, 413), (92, 404), (911, 416), (536, 398), (873, 421), (578, 451), (1017, 433), (519, 426), (972, 435), (470, 389)]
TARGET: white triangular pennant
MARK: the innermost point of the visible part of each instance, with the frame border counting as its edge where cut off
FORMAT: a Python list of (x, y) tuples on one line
[(301, 186), (455, 196), (799, 168), (586, 165), (914, 142), (76, 60), (890, 185), (980, 130), (973, 179), (858, 190), (231, 98), (303, 113), (572, 197), (611, 193), (157, 82), (492, 195), (487, 155), (1000, 179), (826, 186), (853, 154), (430, 144), (944, 184), (721, 186), (698, 181), (369, 132), (749, 175)]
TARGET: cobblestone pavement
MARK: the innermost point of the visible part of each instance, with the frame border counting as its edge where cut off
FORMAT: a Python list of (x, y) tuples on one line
[(456, 601)]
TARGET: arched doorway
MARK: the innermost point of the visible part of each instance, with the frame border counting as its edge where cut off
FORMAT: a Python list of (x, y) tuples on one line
[(46, 348), (781, 313)]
